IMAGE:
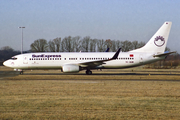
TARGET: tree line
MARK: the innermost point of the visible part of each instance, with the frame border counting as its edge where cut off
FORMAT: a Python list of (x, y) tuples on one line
[(7, 52), (171, 62), (85, 44)]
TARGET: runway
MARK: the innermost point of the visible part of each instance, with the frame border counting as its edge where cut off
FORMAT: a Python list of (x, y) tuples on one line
[(4, 74), (173, 76)]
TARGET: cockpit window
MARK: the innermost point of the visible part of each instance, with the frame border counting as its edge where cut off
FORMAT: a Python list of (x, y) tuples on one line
[(13, 58)]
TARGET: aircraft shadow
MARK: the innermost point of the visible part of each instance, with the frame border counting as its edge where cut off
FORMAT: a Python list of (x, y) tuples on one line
[(16, 73), (105, 74)]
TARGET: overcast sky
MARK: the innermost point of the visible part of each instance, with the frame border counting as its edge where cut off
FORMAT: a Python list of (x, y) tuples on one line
[(102, 19)]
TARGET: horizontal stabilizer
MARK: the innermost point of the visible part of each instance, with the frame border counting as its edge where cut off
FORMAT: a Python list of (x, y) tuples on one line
[(164, 54)]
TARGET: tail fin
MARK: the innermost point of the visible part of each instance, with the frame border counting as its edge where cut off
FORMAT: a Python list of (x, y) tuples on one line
[(157, 43)]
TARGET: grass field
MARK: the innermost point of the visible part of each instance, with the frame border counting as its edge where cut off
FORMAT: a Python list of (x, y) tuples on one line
[(109, 94)]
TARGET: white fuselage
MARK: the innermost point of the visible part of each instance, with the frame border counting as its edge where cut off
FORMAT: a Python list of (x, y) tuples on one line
[(57, 60)]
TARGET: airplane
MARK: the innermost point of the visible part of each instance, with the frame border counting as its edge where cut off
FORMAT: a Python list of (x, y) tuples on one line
[(74, 62)]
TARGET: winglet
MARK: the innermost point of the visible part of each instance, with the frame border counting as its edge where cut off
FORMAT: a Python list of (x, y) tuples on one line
[(107, 50), (116, 54)]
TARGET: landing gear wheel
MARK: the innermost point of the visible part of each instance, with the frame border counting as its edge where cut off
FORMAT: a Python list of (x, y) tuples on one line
[(88, 72), (21, 72)]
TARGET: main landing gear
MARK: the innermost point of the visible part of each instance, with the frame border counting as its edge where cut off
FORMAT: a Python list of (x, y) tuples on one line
[(88, 72), (21, 73)]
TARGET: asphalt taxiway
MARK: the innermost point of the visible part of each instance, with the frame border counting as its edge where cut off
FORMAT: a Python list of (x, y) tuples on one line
[(143, 74)]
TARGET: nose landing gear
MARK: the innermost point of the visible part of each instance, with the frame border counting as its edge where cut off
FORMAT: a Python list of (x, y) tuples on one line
[(21, 71)]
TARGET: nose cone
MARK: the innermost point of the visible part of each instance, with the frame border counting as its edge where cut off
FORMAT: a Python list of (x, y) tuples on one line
[(6, 63)]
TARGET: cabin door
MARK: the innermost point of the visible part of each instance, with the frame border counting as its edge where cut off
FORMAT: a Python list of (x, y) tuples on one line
[(25, 59)]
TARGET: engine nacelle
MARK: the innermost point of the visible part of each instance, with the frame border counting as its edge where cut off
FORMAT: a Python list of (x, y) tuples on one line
[(70, 68)]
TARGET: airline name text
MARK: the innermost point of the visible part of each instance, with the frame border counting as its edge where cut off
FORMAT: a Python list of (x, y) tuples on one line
[(43, 55)]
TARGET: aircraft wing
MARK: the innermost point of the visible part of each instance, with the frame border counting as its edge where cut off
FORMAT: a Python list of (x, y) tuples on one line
[(100, 62), (163, 54)]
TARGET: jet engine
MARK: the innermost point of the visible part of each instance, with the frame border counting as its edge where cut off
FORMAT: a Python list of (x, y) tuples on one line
[(70, 68)]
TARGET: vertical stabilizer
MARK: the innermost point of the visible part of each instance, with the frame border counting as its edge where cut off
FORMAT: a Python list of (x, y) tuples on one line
[(157, 43)]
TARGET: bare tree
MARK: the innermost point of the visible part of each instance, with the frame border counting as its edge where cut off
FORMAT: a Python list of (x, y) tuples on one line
[(101, 45), (39, 45), (7, 52), (126, 45), (51, 46), (117, 44), (55, 45), (92, 45), (7, 48), (114, 46), (85, 43), (76, 43), (57, 42), (141, 44), (109, 44), (67, 44), (135, 44)]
